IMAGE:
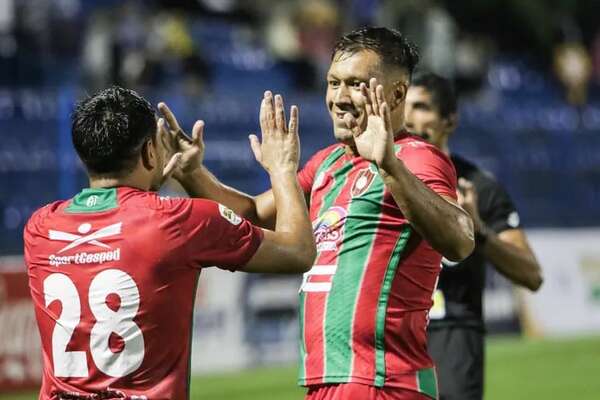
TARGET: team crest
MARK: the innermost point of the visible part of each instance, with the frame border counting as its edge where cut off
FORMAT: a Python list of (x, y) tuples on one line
[(229, 215), (362, 182)]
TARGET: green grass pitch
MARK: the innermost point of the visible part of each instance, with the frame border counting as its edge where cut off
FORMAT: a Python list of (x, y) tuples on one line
[(516, 369)]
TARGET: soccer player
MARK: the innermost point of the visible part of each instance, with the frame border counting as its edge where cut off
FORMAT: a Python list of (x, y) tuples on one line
[(384, 210), (456, 330), (113, 271)]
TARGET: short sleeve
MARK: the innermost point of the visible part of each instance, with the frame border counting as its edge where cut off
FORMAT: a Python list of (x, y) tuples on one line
[(215, 235), (431, 166), (497, 208)]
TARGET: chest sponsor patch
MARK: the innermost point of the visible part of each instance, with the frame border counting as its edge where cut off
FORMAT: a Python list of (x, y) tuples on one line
[(328, 229), (362, 182), (229, 215)]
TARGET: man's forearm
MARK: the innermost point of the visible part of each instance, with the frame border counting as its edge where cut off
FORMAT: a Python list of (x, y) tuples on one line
[(446, 227), (201, 183), (293, 214), (515, 262)]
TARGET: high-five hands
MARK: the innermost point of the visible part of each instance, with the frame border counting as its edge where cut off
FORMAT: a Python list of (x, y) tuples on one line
[(185, 153), (376, 142), (279, 151)]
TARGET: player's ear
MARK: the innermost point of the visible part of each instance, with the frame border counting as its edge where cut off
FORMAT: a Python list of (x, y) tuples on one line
[(451, 122), (398, 94), (149, 159)]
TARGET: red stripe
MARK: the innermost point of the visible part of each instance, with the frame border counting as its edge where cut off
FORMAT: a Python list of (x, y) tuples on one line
[(363, 331), (316, 302), (413, 285)]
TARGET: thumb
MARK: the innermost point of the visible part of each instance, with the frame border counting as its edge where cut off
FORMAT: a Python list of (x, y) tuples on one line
[(255, 146), (351, 124), (171, 165)]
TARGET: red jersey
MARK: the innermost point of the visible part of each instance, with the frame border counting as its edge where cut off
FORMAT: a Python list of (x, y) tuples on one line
[(364, 303), (113, 275)]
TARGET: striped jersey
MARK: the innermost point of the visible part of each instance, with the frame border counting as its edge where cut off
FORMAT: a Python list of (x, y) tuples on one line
[(364, 304)]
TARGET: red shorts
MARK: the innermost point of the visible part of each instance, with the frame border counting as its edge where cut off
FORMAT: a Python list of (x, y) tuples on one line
[(357, 391)]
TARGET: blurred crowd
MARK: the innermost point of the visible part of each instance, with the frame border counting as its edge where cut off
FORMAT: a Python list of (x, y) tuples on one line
[(186, 45)]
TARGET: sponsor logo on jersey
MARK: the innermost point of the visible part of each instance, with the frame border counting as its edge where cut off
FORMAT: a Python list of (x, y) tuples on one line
[(85, 258), (328, 228), (363, 180), (84, 236), (229, 215)]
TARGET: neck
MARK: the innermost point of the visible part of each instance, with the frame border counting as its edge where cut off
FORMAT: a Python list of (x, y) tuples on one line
[(106, 182)]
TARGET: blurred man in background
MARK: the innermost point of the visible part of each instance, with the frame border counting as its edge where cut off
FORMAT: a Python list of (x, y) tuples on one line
[(384, 211), (456, 329), (113, 271)]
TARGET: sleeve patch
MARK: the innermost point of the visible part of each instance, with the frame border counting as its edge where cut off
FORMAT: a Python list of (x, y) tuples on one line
[(513, 219), (229, 215)]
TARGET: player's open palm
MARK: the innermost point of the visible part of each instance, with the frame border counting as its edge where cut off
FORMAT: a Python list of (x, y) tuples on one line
[(279, 150), (376, 142), (175, 140)]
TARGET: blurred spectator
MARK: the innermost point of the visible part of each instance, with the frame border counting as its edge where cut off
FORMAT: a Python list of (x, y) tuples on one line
[(573, 67), (140, 48), (430, 26), (302, 34)]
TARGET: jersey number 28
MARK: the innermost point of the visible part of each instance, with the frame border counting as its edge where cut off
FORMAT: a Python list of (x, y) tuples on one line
[(116, 364)]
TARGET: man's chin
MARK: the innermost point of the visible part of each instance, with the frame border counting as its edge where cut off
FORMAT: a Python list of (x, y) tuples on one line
[(343, 135)]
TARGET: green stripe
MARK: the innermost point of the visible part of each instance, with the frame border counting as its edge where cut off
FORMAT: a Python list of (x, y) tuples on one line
[(382, 303), (329, 160), (427, 382), (359, 235), (338, 184)]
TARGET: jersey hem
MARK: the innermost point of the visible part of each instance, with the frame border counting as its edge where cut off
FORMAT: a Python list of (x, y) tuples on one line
[(335, 379)]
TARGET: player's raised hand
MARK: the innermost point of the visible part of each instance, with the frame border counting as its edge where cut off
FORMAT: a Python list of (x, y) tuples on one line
[(376, 142), (175, 140), (279, 150)]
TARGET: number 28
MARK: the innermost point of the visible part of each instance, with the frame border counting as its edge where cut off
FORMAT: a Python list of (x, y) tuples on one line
[(60, 287)]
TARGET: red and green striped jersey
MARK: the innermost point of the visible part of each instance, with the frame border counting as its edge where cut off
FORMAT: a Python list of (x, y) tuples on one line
[(364, 304)]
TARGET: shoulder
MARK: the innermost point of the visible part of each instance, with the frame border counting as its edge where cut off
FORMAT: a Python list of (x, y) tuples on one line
[(43, 213), (482, 179), (412, 146), (317, 159)]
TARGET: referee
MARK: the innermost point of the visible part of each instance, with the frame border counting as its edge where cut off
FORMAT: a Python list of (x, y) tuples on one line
[(456, 330)]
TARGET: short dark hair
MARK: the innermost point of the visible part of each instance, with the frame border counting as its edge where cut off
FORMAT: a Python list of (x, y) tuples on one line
[(441, 89), (393, 48), (109, 129)]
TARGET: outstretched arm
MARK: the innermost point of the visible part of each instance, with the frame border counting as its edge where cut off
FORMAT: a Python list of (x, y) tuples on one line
[(438, 219)]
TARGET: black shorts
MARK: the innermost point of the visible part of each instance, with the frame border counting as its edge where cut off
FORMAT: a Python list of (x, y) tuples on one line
[(458, 354)]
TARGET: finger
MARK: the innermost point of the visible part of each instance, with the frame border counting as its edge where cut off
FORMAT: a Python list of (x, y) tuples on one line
[(368, 106), (384, 111), (280, 114), (171, 165), (198, 133), (269, 111), (255, 146), (351, 124), (294, 120), (379, 94), (164, 136), (169, 116), (373, 96)]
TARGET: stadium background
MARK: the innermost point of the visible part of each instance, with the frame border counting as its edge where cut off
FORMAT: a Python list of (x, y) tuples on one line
[(528, 73)]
